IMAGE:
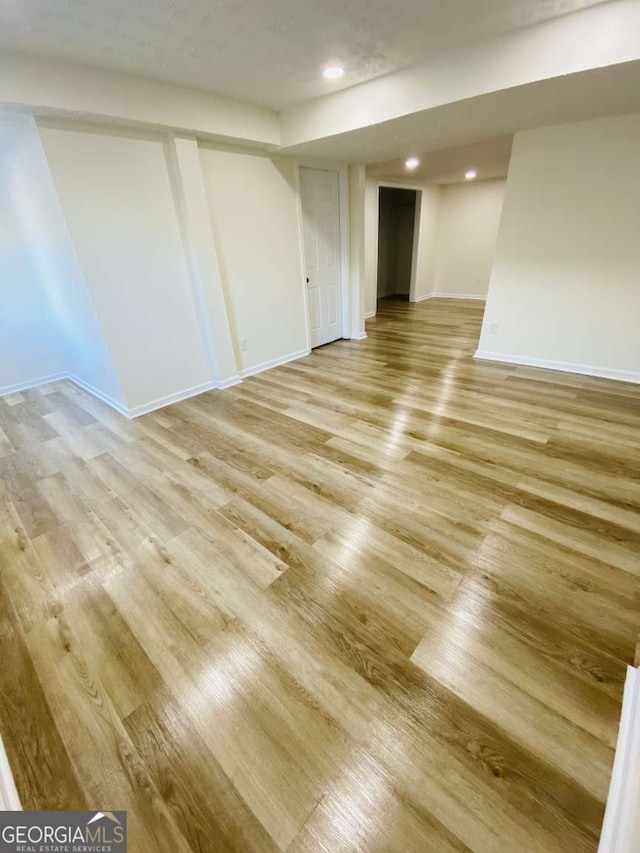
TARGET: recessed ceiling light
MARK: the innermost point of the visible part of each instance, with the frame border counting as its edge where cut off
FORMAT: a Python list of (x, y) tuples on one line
[(412, 163), (470, 175), (333, 72)]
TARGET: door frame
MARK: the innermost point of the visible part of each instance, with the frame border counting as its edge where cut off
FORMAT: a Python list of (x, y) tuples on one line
[(397, 185), (343, 200)]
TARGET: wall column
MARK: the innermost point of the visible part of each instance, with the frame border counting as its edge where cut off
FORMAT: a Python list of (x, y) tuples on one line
[(183, 160), (357, 188)]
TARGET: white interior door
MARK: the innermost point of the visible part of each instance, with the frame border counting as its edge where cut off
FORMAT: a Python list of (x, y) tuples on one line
[(320, 195)]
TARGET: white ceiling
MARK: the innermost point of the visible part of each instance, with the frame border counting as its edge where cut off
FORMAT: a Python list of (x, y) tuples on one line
[(489, 158), (264, 51)]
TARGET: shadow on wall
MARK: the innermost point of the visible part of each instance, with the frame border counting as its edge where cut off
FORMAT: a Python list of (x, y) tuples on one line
[(48, 325)]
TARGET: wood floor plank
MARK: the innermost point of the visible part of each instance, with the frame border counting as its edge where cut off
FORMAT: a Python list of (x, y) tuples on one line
[(40, 764), (380, 598), (94, 736), (206, 806)]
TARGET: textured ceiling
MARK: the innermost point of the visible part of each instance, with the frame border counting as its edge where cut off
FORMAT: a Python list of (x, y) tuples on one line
[(489, 158), (263, 51), (597, 92)]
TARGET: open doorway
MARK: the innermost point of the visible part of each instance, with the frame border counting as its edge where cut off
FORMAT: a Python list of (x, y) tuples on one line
[(397, 242)]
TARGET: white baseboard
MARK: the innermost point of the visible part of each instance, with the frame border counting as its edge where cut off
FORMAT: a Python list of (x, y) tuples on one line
[(475, 296), (563, 366), (57, 377), (170, 399), (90, 389), (32, 383), (369, 315), (144, 408), (161, 402), (221, 384), (359, 337), (440, 295), (178, 396), (274, 362), (9, 799), (136, 411), (621, 827)]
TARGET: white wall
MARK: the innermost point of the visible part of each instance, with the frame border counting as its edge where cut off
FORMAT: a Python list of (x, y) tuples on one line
[(357, 195), (87, 357), (118, 202), (158, 258), (204, 268), (29, 346), (429, 201), (50, 323), (370, 246), (467, 231), (254, 217), (565, 286), (44, 84)]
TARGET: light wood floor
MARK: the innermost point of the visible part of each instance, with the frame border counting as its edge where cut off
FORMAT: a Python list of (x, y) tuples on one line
[(380, 599)]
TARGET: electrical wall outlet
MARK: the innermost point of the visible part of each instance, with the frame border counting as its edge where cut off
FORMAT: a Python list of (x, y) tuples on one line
[(493, 328), (243, 344)]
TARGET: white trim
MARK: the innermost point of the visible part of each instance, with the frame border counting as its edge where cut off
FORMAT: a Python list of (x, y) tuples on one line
[(621, 827), (564, 366), (9, 799), (369, 315), (161, 402), (170, 399), (359, 337), (58, 377), (221, 384), (343, 202), (274, 362), (396, 185), (85, 386), (439, 294), (145, 408), (345, 250), (416, 234), (303, 263), (32, 383), (417, 217)]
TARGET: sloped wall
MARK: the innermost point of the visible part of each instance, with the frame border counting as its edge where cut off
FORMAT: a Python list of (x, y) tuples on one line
[(117, 200), (48, 323)]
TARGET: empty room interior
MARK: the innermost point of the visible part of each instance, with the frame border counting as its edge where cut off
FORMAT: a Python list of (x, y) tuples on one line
[(320, 426)]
